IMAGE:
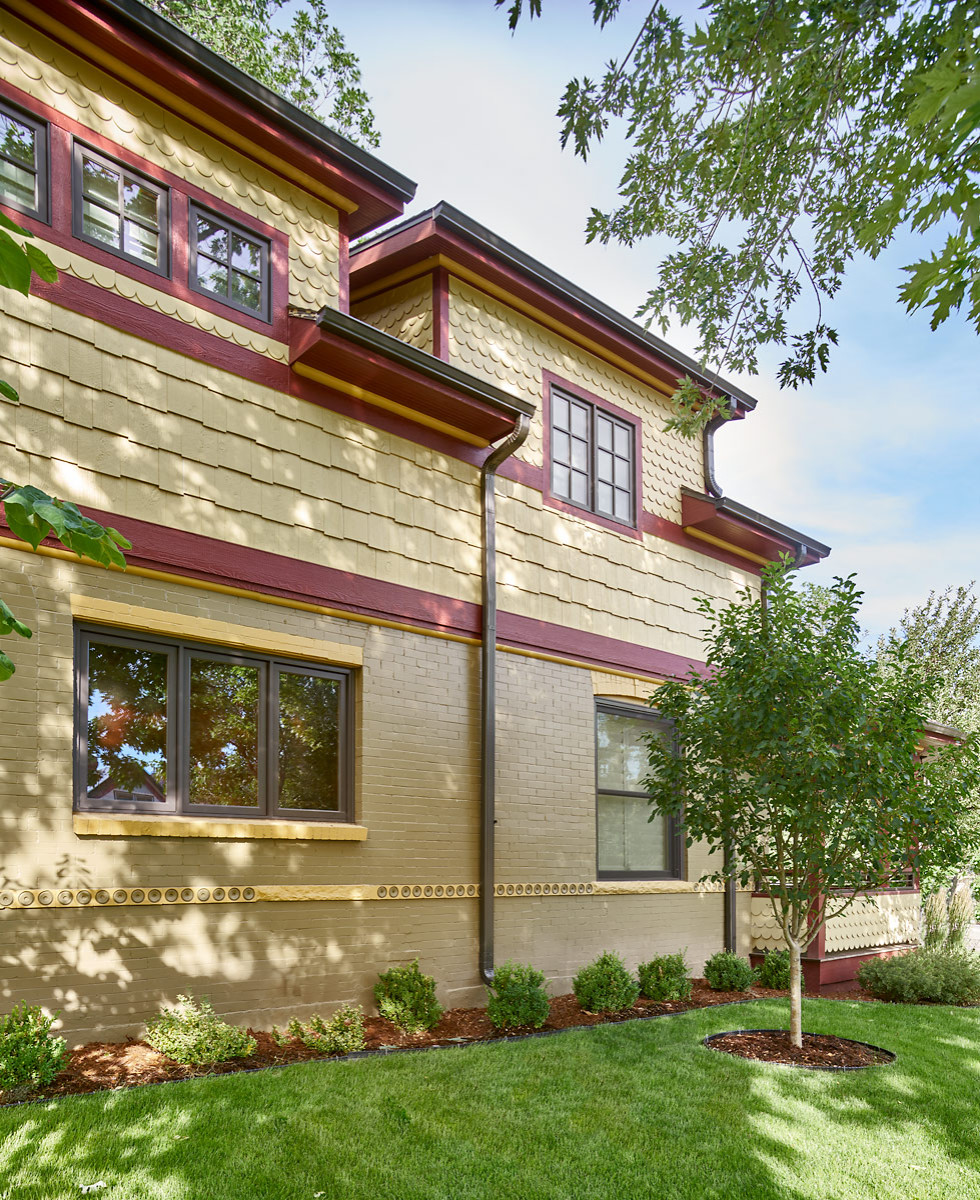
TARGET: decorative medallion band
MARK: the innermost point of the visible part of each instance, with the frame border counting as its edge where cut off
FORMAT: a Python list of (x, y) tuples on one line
[(54, 898)]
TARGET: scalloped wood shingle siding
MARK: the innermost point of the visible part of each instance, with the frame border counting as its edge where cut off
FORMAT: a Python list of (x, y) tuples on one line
[(405, 312)]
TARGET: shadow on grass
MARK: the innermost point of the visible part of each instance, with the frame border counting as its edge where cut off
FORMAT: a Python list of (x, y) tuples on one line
[(619, 1111)]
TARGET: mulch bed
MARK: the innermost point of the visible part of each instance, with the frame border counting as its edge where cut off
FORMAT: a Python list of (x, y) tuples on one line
[(102, 1066), (819, 1050)]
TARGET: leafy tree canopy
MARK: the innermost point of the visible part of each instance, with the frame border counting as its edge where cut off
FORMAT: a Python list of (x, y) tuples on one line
[(774, 143), (800, 758), (306, 61)]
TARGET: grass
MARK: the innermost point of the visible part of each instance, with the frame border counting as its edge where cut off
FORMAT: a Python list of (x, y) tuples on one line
[(620, 1111)]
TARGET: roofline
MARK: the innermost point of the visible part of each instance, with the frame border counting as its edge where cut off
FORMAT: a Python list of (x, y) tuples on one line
[(451, 218), (785, 533), (437, 369), (174, 42)]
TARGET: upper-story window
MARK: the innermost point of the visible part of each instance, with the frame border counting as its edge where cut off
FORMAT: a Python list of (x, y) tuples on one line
[(23, 162), (629, 844), (173, 727), (229, 262), (593, 458), (120, 209)]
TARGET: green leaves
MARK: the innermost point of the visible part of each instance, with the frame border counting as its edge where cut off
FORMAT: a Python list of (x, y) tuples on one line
[(773, 144), (32, 515)]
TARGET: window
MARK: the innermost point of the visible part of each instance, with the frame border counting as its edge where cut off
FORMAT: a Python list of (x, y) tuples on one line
[(168, 727), (229, 262), (629, 845), (23, 162), (592, 458), (118, 208)]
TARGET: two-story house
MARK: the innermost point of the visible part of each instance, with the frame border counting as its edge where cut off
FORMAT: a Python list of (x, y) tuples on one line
[(411, 550)]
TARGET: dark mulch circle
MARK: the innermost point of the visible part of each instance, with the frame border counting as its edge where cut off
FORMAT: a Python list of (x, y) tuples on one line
[(820, 1051)]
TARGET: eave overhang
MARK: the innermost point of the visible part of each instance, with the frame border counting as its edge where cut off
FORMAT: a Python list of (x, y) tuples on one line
[(730, 525), (157, 58), (445, 237), (341, 352)]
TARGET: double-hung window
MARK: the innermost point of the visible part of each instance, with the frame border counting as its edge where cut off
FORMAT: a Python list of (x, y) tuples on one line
[(171, 727), (593, 455), (630, 844), (121, 210), (23, 162), (229, 262)]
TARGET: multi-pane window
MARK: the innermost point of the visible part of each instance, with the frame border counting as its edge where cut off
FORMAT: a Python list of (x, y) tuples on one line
[(592, 458), (630, 845), (23, 162), (118, 208), (173, 727), (229, 262)]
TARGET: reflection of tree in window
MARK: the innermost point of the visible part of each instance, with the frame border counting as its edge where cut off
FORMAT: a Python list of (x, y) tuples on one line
[(224, 733), (309, 711), (127, 721)]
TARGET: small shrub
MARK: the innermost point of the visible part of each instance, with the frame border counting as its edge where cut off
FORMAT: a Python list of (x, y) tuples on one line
[(665, 978), (342, 1034), (774, 970), (934, 926), (959, 917), (936, 976), (192, 1032), (605, 985), (517, 998), (30, 1055), (727, 972), (408, 998)]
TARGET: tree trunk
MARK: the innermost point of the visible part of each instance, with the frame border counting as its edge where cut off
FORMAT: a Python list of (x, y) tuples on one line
[(795, 994)]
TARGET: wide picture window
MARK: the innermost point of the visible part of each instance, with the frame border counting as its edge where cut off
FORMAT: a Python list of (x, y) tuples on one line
[(168, 727), (629, 844)]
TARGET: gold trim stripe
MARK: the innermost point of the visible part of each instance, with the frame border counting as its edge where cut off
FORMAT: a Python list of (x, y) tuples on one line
[(55, 898)]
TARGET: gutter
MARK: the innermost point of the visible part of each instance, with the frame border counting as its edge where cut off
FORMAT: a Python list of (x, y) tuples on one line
[(488, 687), (171, 39)]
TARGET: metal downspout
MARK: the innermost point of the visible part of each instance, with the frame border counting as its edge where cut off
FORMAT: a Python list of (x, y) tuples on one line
[(488, 687)]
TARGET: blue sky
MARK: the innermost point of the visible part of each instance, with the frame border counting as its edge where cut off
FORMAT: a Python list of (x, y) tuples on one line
[(879, 459)]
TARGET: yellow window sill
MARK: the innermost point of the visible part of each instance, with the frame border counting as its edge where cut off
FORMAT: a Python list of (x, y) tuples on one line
[(138, 825)]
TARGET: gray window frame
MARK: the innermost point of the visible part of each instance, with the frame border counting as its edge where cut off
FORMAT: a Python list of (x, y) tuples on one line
[(178, 730), (264, 311), (673, 834), (594, 411), (79, 151), (42, 159)]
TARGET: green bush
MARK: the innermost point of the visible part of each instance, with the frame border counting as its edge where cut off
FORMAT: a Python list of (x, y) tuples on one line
[(342, 1034), (727, 972), (774, 970), (665, 978), (192, 1032), (30, 1056), (408, 998), (937, 976), (605, 985), (517, 998)]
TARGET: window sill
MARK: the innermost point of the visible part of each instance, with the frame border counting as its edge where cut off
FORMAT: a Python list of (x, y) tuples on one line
[(140, 825), (627, 887)]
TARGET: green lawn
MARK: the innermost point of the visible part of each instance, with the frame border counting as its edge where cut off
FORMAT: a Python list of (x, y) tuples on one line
[(625, 1112)]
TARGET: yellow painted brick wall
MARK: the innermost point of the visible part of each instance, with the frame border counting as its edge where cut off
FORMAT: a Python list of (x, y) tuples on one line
[(498, 343), (130, 428), (53, 75), (405, 312)]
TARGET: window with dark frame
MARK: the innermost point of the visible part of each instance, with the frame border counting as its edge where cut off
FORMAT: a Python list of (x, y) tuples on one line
[(592, 458), (173, 727), (23, 162), (121, 210), (229, 262), (630, 845)]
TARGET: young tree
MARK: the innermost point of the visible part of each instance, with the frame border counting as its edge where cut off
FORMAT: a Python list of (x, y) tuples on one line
[(307, 61), (776, 142), (799, 759), (32, 514)]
